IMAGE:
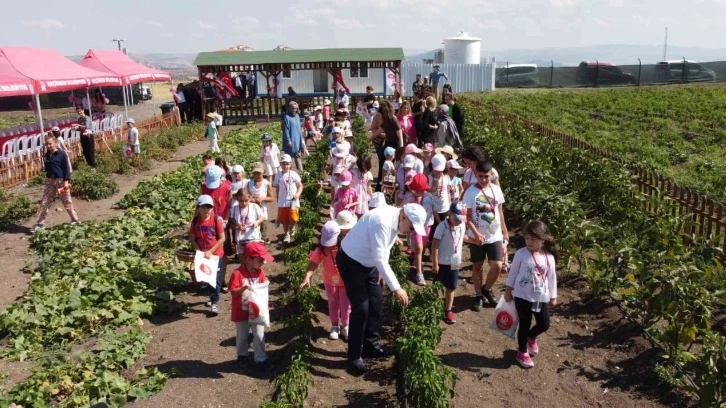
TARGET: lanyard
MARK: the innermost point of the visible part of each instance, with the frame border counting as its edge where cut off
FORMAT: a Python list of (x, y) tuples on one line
[(287, 183), (539, 268), (244, 220), (493, 201), (454, 239)]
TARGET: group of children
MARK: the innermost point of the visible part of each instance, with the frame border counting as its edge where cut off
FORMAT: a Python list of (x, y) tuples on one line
[(459, 210)]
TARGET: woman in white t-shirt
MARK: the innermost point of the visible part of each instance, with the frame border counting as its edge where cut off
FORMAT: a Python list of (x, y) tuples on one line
[(485, 219), (247, 217), (471, 156), (260, 190)]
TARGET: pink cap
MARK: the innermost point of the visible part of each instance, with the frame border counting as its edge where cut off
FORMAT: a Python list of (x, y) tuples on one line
[(412, 149), (429, 147), (345, 178)]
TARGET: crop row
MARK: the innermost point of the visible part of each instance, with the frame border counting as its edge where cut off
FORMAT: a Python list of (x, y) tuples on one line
[(678, 131), (638, 257), (96, 278)]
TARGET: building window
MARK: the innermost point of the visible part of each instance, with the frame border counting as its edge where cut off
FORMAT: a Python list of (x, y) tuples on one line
[(286, 73), (359, 72)]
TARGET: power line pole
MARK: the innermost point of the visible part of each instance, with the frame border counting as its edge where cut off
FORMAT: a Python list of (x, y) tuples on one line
[(665, 44), (119, 41)]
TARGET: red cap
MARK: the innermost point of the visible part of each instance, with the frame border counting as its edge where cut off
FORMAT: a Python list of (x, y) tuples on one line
[(257, 249), (419, 183)]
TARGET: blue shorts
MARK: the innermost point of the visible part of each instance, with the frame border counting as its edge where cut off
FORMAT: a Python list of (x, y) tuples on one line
[(447, 276)]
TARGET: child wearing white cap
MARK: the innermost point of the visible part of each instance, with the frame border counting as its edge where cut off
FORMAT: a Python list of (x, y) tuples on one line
[(318, 116), (289, 188), (440, 184), (455, 190), (270, 156), (338, 303), (133, 137), (362, 178)]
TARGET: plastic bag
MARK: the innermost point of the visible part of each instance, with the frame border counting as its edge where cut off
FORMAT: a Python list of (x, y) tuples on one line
[(506, 318), (205, 270), (256, 302)]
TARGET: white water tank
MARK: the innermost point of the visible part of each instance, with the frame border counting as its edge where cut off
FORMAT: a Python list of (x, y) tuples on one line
[(462, 49)]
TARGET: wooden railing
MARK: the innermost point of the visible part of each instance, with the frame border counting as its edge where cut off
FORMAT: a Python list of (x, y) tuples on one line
[(707, 216), (26, 168)]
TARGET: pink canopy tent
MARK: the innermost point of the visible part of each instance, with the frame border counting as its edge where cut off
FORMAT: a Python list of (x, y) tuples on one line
[(117, 63), (15, 86), (49, 71)]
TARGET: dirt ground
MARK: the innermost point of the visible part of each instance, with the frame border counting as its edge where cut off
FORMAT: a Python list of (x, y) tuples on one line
[(591, 357)]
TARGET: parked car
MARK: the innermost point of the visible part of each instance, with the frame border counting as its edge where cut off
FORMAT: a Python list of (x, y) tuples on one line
[(145, 93), (517, 75), (603, 73), (672, 71)]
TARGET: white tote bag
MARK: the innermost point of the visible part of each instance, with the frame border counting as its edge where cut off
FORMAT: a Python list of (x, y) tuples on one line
[(205, 270), (255, 300), (506, 318)]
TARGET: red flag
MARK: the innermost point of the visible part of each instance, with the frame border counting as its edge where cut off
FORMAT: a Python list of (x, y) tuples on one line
[(339, 83)]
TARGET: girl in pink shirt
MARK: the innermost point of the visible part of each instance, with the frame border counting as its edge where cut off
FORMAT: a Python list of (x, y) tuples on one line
[(338, 303), (405, 119), (346, 198)]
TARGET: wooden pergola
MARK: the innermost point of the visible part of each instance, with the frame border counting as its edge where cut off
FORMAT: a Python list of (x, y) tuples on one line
[(272, 63)]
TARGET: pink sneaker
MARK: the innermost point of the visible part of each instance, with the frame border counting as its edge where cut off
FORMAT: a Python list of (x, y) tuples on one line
[(524, 360), (532, 347)]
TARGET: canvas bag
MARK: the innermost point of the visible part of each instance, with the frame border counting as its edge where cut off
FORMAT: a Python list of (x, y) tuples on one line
[(506, 318), (255, 300)]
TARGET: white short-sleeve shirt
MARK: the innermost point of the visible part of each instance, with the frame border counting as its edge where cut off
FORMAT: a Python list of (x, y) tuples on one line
[(483, 205)]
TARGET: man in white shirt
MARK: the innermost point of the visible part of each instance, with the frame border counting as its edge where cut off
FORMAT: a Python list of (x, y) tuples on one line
[(342, 98), (181, 103), (238, 85), (251, 85), (364, 253)]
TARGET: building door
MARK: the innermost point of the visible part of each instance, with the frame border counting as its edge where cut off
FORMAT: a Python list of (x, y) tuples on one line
[(320, 80)]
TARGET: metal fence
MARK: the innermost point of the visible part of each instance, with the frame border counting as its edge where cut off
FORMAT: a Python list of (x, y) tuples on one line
[(463, 77), (603, 74)]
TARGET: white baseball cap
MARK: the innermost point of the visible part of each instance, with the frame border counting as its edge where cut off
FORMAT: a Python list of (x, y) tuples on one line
[(130, 120), (378, 199), (205, 200), (238, 168), (55, 129), (453, 164), (340, 151), (337, 130), (329, 233), (347, 220), (417, 215), (286, 158), (438, 162), (409, 161)]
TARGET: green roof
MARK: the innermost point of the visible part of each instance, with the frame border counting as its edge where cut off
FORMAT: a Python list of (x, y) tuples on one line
[(298, 56)]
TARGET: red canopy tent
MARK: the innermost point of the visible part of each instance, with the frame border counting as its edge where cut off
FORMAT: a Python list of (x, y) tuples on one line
[(117, 63), (15, 86), (49, 71)]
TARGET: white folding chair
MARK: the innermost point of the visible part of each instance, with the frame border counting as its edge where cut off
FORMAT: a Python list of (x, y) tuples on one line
[(119, 121), (21, 148), (7, 154)]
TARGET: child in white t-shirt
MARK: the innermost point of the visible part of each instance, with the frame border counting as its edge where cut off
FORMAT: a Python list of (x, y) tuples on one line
[(388, 171), (270, 156), (246, 219), (486, 224), (289, 187), (440, 183), (455, 189), (133, 137), (446, 249)]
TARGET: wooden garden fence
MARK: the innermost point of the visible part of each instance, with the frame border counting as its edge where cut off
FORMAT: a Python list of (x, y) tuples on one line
[(25, 169), (707, 216)]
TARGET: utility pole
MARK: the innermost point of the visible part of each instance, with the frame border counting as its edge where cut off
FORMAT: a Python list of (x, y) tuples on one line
[(119, 41), (665, 44)]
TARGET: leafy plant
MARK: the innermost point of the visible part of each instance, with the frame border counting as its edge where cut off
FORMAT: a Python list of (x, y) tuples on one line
[(14, 210), (89, 184)]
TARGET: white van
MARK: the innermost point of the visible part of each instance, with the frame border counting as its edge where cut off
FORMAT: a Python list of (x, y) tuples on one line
[(145, 93)]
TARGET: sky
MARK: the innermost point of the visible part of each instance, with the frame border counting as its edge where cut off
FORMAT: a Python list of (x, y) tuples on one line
[(185, 26)]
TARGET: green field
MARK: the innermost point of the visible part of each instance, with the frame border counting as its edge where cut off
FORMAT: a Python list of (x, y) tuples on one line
[(678, 130)]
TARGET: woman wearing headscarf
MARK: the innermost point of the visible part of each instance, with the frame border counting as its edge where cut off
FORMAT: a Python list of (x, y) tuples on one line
[(455, 111), (293, 142), (447, 133)]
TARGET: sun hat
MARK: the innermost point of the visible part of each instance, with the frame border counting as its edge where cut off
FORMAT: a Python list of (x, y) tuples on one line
[(378, 199), (428, 147), (345, 178), (55, 129), (257, 250), (326, 102), (329, 234), (438, 162), (453, 164), (237, 168), (210, 115), (419, 183), (458, 210), (447, 150), (417, 215), (257, 168), (317, 107), (213, 176), (409, 161), (130, 120), (412, 149), (266, 137), (340, 151), (389, 151), (205, 200), (346, 220), (286, 158)]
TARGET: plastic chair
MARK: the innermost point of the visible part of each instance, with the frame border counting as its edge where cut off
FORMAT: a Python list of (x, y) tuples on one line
[(120, 121), (7, 155), (21, 147)]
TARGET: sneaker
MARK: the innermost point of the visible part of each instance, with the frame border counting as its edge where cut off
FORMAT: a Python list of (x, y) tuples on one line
[(478, 304), (243, 362), (344, 333), (215, 309), (333, 333), (264, 366), (487, 293), (225, 289), (287, 239), (357, 367), (450, 317), (420, 279), (208, 304), (524, 360), (75, 222), (36, 228), (532, 347)]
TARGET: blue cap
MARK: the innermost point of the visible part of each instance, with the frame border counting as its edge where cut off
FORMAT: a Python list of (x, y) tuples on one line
[(458, 210), (389, 151), (266, 137), (213, 176)]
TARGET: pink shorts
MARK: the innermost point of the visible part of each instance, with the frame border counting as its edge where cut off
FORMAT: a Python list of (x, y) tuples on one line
[(421, 239)]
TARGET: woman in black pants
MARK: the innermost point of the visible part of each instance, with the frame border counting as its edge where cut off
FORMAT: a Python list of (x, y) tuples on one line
[(88, 143), (385, 132)]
